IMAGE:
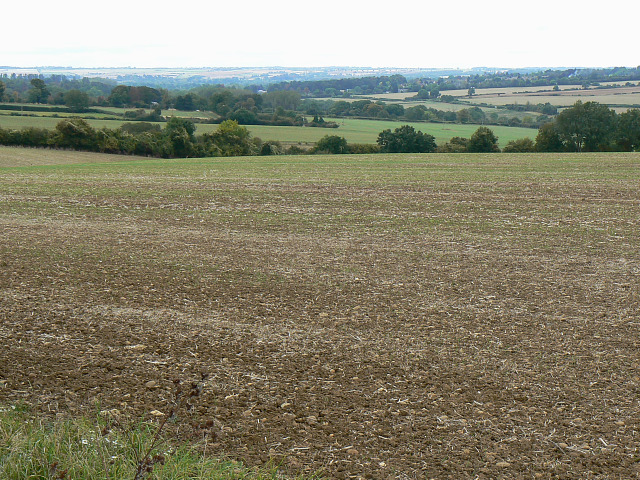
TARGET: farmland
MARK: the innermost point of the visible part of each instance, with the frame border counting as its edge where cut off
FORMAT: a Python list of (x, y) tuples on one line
[(625, 97), (617, 97), (398, 316), (354, 130)]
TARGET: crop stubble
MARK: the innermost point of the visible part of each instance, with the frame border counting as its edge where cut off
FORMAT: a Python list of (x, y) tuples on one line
[(394, 317)]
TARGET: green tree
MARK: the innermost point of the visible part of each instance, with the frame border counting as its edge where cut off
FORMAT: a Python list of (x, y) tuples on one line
[(483, 140), (135, 128), (39, 92), (221, 101), (331, 144), (271, 148), (74, 133), (374, 110), (586, 127), (406, 139), (244, 117), (287, 99), (33, 137), (341, 107), (463, 116), (176, 123), (477, 115), (230, 139), (76, 100), (628, 131), (422, 94), (470, 115), (109, 141), (119, 96), (181, 135), (523, 145), (186, 102), (2, 88), (416, 113), (548, 109), (455, 145), (143, 96), (548, 139), (395, 110)]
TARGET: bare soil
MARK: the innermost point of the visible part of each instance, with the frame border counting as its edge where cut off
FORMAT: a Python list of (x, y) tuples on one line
[(480, 328)]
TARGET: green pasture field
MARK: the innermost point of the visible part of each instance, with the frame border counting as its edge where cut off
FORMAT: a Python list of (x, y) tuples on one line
[(366, 131), (47, 110), (59, 115), (172, 112), (106, 112), (354, 130), (166, 112), (24, 121)]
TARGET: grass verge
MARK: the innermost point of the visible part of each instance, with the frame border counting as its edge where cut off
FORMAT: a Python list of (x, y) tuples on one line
[(98, 448)]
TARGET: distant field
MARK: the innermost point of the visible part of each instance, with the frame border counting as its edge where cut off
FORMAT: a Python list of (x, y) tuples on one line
[(374, 316), (354, 130), (620, 97), (366, 131), (464, 92), (23, 121), (168, 112), (106, 113), (609, 96), (58, 115), (448, 107), (507, 90)]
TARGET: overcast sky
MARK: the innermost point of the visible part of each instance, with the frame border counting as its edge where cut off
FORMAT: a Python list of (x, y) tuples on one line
[(408, 33)]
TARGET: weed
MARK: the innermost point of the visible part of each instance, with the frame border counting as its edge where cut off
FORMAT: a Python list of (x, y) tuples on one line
[(109, 447)]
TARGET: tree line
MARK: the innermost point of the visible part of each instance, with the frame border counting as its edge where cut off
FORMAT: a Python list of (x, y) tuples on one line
[(590, 127), (176, 140), (19, 88), (280, 107), (431, 87), (584, 127)]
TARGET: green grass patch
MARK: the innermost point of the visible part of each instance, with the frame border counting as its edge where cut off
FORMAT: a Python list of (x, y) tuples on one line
[(96, 448), (366, 131), (50, 122), (354, 130)]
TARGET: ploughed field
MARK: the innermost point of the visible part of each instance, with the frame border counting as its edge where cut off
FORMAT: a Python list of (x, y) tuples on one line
[(389, 316)]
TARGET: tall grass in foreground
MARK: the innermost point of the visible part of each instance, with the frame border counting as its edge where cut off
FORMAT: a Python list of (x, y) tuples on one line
[(32, 447)]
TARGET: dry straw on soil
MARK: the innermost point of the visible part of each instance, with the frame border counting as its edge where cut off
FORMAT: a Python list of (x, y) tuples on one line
[(389, 316)]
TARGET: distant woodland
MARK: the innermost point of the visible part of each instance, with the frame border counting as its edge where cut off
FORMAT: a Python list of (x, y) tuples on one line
[(587, 126)]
